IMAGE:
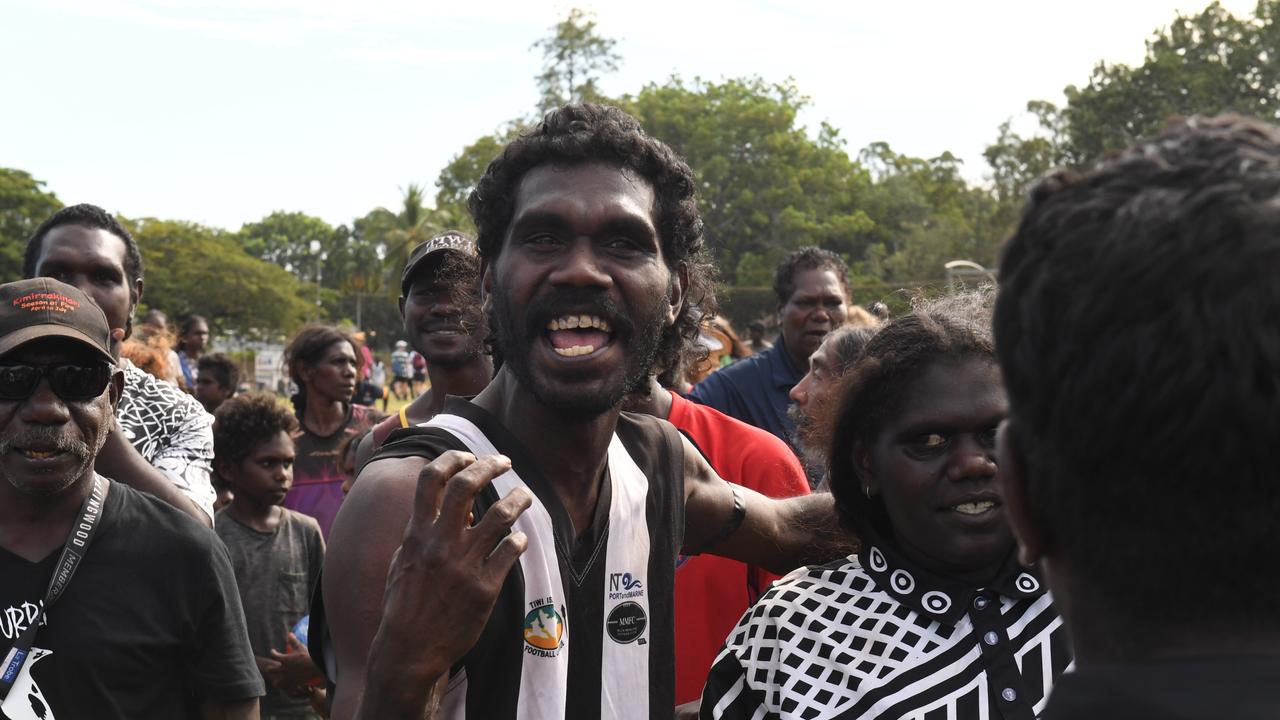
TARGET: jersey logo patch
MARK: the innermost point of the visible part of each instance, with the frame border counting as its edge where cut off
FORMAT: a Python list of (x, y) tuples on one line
[(544, 629), (626, 623), (623, 586)]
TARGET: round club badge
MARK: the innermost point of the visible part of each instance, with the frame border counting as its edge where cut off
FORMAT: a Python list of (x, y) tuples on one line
[(544, 631), (626, 622)]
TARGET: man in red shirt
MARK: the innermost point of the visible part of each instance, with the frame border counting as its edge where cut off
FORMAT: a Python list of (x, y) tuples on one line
[(712, 592)]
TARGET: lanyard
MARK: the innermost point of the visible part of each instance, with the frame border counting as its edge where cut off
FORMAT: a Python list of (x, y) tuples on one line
[(72, 553)]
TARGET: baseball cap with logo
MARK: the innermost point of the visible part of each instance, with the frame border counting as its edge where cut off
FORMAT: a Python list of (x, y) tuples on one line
[(43, 307), (451, 240)]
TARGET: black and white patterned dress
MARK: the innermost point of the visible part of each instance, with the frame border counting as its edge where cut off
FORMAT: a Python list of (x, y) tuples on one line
[(171, 430), (871, 636)]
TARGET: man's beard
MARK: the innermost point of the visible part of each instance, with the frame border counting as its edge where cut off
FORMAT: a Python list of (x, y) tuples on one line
[(812, 453), (639, 332), (51, 436)]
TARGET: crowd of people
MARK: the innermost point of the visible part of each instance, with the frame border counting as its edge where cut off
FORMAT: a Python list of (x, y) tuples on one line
[(1055, 498)]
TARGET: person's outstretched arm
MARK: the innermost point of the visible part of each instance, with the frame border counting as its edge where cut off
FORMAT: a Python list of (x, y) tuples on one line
[(403, 562), (778, 535)]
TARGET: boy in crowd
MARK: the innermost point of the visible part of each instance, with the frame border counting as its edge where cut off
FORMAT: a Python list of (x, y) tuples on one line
[(216, 380), (276, 552)]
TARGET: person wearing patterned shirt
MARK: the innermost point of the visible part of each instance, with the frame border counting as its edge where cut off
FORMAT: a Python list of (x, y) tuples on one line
[(162, 442), (1139, 458), (933, 617)]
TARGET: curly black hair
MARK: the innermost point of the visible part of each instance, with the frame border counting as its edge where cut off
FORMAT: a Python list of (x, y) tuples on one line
[(583, 133), (1138, 329), (90, 216), (244, 422), (806, 258), (943, 330)]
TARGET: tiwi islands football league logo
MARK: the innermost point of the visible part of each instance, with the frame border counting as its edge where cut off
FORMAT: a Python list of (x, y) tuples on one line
[(544, 629)]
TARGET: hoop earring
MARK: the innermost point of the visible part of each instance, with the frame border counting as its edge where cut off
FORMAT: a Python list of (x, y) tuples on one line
[(867, 490)]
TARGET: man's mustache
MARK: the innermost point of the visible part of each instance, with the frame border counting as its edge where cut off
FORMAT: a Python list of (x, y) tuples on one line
[(45, 437)]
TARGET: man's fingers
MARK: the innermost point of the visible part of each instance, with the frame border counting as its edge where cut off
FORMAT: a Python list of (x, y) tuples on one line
[(461, 489), (500, 516), (431, 482), (506, 553)]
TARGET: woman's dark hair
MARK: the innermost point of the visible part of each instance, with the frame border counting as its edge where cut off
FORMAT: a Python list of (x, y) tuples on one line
[(944, 330), (307, 348), (245, 421), (585, 133)]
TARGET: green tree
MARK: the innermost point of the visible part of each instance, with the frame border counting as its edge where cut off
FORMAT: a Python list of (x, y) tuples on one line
[(1205, 64), (196, 269), (925, 215), (459, 177), (24, 204), (573, 58), (292, 240), (766, 186)]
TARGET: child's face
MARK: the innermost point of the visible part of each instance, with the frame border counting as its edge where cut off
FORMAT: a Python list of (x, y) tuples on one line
[(265, 475)]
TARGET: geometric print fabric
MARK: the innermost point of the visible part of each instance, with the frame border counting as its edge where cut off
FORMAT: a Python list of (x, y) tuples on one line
[(826, 642)]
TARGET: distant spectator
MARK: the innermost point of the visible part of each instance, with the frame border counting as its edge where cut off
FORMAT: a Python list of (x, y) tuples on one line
[(401, 371), (216, 381), (157, 320), (859, 317), (1138, 328), (193, 336), (816, 398), (812, 288), (148, 349), (378, 373), (276, 553), (323, 363), (162, 440), (757, 341), (366, 355), (720, 348)]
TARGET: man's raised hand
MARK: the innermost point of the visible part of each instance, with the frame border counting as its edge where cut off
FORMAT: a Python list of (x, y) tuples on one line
[(445, 577)]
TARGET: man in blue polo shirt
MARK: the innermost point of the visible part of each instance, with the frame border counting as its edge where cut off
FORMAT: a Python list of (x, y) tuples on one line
[(812, 286)]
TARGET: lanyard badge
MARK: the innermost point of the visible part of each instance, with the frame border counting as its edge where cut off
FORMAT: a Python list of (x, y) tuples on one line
[(72, 554)]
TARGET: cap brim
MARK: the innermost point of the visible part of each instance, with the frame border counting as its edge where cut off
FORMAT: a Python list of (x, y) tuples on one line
[(16, 339)]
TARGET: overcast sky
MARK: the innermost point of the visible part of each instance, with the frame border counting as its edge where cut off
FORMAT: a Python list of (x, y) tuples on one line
[(221, 112)]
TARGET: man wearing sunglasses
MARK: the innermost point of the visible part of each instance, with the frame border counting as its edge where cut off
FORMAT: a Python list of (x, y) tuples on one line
[(162, 442), (113, 604)]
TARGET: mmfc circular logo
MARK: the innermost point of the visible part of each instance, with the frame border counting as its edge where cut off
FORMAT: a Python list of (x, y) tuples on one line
[(544, 629), (626, 622)]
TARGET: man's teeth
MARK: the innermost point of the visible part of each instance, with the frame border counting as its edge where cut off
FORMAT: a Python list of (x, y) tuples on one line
[(974, 508), (40, 454), (570, 322), (575, 350)]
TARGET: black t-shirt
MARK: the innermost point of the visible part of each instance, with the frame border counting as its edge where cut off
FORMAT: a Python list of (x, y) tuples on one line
[(149, 627)]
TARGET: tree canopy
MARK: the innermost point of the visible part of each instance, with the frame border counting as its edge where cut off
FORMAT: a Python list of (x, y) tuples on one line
[(767, 183)]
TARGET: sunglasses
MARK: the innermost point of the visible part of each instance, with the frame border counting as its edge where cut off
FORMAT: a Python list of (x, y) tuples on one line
[(69, 382)]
